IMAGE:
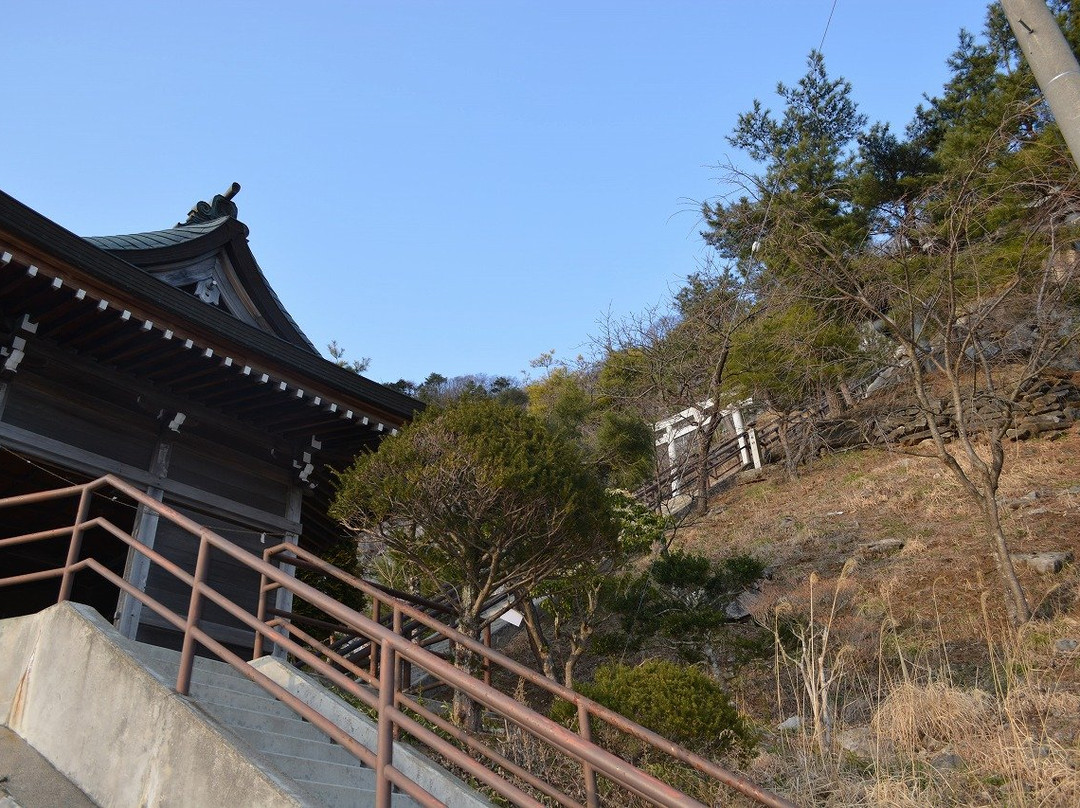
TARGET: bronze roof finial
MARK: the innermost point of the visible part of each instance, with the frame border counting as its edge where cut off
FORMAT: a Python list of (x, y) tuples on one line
[(221, 205)]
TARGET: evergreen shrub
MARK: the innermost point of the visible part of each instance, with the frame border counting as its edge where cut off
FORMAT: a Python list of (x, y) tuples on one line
[(676, 701)]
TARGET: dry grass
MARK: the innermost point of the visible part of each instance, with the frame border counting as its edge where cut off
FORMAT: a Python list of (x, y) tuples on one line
[(932, 716), (939, 701)]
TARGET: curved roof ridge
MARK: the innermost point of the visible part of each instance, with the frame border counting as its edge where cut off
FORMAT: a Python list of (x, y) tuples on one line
[(157, 238), (144, 250)]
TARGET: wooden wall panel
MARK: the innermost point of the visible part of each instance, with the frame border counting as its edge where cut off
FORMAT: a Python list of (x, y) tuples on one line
[(77, 419), (229, 474), (229, 577)]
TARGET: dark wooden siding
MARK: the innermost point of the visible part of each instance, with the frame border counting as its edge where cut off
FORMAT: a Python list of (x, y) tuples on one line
[(237, 477), (81, 418), (227, 576)]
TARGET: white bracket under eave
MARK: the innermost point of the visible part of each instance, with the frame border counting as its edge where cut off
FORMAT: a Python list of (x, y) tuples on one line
[(306, 464), (14, 355), (177, 421), (306, 468)]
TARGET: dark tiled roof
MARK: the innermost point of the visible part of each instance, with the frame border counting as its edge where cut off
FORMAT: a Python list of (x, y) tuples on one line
[(109, 268), (181, 234), (157, 238)]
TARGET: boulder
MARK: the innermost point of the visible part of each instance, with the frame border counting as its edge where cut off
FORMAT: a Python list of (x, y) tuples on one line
[(884, 547), (1045, 563), (790, 724)]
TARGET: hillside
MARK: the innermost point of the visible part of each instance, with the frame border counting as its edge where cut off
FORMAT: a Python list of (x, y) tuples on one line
[(937, 700)]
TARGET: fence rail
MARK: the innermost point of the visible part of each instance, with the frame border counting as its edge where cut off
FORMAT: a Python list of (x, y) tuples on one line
[(392, 635), (725, 460)]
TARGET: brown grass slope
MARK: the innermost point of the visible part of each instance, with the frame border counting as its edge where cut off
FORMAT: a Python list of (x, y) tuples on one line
[(925, 695)]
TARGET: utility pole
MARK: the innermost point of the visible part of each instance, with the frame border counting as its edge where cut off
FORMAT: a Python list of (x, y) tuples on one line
[(1053, 63)]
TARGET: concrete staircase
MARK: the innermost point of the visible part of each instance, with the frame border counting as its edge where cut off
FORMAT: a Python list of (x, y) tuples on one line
[(319, 768), (102, 711)]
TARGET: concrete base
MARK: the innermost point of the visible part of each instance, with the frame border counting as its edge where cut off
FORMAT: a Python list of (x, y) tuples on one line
[(71, 689), (27, 780)]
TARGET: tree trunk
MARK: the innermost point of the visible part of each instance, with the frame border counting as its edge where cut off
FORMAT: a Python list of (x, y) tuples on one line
[(466, 712), (541, 648), (1016, 600), (705, 442), (834, 402), (845, 391)]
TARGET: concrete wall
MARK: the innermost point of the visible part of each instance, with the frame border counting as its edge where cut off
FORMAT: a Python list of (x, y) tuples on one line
[(68, 687)]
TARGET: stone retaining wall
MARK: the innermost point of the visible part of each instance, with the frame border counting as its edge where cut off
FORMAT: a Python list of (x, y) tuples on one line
[(1051, 403)]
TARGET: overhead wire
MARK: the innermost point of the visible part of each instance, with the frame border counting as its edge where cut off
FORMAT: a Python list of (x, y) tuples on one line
[(828, 22), (264, 534), (768, 204)]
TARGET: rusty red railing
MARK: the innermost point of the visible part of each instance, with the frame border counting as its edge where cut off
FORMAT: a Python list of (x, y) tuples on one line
[(396, 635)]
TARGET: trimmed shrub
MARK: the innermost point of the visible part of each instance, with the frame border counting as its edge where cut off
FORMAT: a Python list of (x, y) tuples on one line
[(676, 701)]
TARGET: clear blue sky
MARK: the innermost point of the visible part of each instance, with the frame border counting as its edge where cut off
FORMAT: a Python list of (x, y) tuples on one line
[(441, 186)]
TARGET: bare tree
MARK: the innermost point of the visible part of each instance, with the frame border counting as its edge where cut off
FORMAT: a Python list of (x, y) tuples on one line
[(676, 358), (975, 288)]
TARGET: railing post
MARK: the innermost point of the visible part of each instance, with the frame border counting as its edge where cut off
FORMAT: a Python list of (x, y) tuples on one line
[(260, 613), (187, 653), (75, 547), (406, 665), (373, 660), (487, 660), (588, 773), (384, 750), (399, 665)]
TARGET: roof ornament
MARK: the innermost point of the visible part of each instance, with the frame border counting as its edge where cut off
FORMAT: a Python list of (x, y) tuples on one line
[(221, 205)]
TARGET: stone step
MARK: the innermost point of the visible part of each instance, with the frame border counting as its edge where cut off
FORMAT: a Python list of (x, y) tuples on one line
[(316, 749), (294, 747), (153, 653), (305, 769), (255, 700), (254, 719), (339, 796)]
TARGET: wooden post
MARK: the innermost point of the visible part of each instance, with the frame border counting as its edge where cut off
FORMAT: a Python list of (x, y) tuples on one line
[(755, 448), (137, 566), (283, 598)]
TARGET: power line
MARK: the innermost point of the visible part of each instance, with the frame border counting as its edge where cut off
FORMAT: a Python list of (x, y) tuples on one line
[(821, 45), (229, 527)]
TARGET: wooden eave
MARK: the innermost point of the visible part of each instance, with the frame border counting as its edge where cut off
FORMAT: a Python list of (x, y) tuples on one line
[(116, 312), (181, 374)]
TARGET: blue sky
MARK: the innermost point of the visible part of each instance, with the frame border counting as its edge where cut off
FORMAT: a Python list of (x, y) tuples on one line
[(441, 186)]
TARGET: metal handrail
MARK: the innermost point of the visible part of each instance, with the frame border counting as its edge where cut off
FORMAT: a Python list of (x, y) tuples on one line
[(380, 685)]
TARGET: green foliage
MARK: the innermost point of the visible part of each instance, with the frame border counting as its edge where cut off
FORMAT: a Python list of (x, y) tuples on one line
[(680, 603), (477, 496), (442, 391), (337, 356), (561, 401), (571, 600), (676, 701), (617, 442), (624, 448), (342, 555), (791, 353), (807, 159), (640, 527)]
